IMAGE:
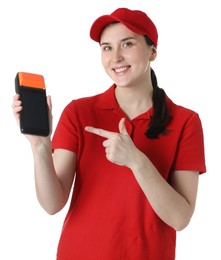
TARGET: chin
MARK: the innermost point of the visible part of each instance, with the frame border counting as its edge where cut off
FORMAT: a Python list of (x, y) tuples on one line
[(122, 84)]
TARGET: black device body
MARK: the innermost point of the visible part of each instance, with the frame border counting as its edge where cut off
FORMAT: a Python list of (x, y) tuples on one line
[(34, 115)]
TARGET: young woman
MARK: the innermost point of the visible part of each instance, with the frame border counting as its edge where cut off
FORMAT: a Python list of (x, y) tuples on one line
[(134, 156)]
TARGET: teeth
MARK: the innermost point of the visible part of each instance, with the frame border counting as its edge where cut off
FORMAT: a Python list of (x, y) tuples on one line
[(121, 69)]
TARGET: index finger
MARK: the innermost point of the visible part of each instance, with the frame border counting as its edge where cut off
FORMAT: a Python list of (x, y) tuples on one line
[(100, 132)]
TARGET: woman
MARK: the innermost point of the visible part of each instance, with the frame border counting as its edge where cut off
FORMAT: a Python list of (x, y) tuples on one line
[(135, 156)]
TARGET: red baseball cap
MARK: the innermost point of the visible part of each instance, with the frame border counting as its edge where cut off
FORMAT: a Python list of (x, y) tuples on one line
[(135, 20)]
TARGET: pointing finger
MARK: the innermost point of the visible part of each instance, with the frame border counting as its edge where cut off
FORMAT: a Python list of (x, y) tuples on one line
[(100, 132)]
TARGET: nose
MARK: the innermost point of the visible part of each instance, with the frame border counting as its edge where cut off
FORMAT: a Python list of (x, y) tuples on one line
[(117, 55)]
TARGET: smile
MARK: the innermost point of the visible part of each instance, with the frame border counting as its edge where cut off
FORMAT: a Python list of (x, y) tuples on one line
[(119, 70)]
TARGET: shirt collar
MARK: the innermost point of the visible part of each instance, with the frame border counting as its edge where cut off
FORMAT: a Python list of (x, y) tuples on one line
[(108, 101)]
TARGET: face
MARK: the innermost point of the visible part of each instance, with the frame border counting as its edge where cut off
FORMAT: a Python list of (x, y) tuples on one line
[(125, 55)]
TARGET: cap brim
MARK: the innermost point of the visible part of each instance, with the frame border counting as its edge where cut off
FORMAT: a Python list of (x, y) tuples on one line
[(99, 25)]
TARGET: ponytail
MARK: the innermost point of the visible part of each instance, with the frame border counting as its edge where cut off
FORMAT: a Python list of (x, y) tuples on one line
[(160, 115)]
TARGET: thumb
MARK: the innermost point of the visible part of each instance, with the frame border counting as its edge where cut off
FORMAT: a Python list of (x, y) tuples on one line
[(122, 127), (49, 102)]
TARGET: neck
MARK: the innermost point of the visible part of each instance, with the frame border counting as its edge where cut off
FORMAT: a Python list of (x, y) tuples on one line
[(134, 100)]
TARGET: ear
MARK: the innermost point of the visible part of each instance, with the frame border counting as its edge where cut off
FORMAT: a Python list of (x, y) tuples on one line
[(153, 54)]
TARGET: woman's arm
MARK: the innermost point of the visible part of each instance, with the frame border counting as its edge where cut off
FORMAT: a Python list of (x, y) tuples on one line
[(54, 174), (174, 203)]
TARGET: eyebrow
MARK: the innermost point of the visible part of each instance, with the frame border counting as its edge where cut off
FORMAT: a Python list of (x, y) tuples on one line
[(123, 40)]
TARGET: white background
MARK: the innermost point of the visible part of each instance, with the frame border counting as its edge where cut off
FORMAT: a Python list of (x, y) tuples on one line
[(51, 37)]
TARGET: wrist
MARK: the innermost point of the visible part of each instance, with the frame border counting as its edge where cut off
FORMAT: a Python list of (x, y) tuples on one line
[(41, 146), (139, 163)]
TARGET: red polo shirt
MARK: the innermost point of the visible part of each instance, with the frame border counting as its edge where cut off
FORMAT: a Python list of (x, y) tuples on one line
[(109, 217)]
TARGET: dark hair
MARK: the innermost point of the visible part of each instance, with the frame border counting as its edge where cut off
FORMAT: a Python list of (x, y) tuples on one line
[(160, 116)]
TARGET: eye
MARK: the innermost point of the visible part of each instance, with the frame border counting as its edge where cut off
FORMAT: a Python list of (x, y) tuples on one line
[(127, 44), (106, 48)]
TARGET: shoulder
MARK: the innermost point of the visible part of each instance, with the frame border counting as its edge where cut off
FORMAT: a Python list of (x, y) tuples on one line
[(180, 111), (183, 117), (84, 101), (99, 100)]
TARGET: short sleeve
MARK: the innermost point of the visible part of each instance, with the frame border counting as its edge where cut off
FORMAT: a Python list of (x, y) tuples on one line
[(66, 132), (190, 153)]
